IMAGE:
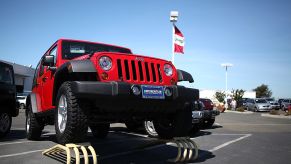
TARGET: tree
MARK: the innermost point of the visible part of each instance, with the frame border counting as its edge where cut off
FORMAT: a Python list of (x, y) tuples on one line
[(238, 95), (220, 96), (263, 91)]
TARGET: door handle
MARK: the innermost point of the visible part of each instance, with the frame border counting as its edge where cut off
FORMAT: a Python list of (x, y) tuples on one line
[(44, 79)]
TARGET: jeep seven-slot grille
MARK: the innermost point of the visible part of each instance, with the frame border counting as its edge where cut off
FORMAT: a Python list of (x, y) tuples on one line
[(139, 71)]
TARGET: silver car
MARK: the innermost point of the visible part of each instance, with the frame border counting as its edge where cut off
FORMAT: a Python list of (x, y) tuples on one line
[(258, 104), (274, 103)]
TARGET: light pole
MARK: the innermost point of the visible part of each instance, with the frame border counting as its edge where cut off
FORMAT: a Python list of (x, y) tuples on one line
[(173, 18), (226, 65)]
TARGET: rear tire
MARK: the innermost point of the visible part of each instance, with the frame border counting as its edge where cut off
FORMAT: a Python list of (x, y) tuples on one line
[(177, 125), (100, 130), (70, 121), (5, 124), (33, 126), (150, 129)]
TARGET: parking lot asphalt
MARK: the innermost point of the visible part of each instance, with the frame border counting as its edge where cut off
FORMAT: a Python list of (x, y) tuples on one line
[(235, 138)]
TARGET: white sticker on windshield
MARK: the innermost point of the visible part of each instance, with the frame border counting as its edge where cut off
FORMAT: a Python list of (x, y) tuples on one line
[(77, 49)]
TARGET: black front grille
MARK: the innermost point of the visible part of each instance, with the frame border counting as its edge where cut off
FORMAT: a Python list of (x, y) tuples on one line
[(139, 71)]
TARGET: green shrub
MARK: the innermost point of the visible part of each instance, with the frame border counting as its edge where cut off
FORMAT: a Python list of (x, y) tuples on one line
[(274, 112), (240, 109)]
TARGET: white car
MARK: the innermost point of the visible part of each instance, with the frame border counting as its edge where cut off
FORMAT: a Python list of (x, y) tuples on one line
[(21, 99)]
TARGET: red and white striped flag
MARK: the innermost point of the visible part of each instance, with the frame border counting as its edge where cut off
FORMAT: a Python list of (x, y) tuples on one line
[(178, 41)]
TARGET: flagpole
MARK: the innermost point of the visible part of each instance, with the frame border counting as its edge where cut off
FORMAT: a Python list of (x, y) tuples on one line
[(173, 19), (173, 43)]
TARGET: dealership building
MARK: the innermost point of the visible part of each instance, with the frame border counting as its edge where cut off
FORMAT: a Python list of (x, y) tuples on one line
[(23, 76)]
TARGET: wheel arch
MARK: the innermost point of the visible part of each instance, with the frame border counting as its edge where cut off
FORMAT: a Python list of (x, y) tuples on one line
[(76, 70)]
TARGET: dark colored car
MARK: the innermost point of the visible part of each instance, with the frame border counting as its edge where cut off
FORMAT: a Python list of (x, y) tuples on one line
[(8, 105), (208, 113)]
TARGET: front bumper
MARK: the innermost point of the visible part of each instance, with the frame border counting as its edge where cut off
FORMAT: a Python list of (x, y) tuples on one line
[(198, 116), (119, 97)]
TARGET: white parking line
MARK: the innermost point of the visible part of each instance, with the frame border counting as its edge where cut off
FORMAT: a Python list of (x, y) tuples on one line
[(253, 124), (19, 142), (134, 134), (23, 153), (229, 142)]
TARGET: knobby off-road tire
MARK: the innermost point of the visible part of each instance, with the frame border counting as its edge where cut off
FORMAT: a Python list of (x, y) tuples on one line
[(177, 125), (5, 124), (34, 126), (100, 130), (150, 129), (70, 121)]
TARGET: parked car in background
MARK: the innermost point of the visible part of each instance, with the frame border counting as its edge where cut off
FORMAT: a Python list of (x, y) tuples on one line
[(21, 99), (258, 104), (274, 103), (242, 102), (285, 104), (8, 105), (280, 102), (208, 113)]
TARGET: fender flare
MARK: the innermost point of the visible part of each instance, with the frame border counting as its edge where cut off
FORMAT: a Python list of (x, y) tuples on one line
[(31, 99), (71, 68), (184, 76)]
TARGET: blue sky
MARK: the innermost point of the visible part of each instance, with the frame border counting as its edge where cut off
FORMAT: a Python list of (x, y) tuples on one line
[(254, 35)]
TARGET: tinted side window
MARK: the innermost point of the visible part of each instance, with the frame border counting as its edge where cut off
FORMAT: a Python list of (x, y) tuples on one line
[(6, 75)]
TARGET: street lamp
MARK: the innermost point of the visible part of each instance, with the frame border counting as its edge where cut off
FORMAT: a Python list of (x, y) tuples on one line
[(173, 18), (226, 65)]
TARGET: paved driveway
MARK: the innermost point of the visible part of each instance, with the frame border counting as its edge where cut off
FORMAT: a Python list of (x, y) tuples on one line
[(235, 138)]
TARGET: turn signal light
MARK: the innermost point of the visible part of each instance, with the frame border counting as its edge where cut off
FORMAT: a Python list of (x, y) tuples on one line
[(104, 76)]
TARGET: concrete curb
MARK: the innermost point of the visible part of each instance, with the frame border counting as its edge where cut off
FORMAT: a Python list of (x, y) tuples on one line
[(275, 116), (245, 112)]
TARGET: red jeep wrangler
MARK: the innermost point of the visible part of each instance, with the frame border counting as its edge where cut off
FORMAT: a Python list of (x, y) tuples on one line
[(80, 84)]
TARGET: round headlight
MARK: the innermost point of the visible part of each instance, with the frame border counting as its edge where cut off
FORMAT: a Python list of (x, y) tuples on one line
[(168, 69), (105, 63)]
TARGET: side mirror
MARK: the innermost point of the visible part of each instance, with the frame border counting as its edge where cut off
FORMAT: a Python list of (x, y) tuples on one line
[(48, 60)]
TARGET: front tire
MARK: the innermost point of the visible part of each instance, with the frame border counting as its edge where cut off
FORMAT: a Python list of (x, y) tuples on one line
[(176, 125), (5, 124), (33, 126), (70, 121), (209, 123)]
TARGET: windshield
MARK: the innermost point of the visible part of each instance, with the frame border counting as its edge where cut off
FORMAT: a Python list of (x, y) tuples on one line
[(270, 99), (261, 101), (73, 49), (6, 75)]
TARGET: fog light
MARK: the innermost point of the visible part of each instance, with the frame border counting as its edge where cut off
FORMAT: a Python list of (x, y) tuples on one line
[(168, 92), (135, 90), (104, 76)]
